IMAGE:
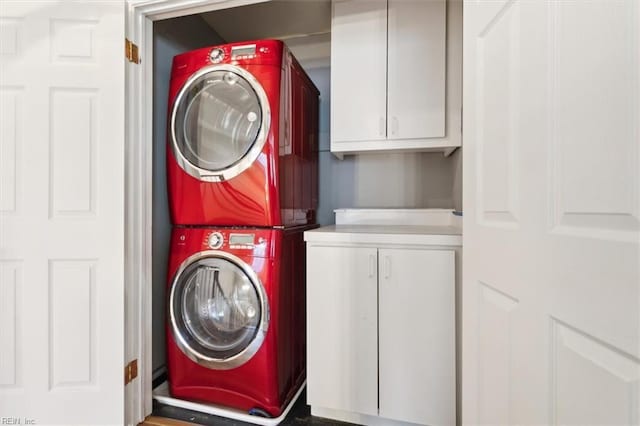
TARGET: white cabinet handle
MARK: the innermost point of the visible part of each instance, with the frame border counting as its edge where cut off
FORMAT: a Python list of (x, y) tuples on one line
[(382, 125), (394, 126), (372, 265), (387, 266)]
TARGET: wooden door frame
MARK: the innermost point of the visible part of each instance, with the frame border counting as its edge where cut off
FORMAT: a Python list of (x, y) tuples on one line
[(140, 15)]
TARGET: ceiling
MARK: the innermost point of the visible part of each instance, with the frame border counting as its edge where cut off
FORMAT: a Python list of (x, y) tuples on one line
[(281, 19)]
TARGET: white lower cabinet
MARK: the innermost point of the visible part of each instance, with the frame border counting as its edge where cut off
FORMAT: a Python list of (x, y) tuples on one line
[(416, 335), (381, 332), (342, 321)]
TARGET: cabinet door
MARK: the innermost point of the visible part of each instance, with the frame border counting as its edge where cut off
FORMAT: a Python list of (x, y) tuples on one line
[(416, 69), (417, 336), (358, 70), (342, 345)]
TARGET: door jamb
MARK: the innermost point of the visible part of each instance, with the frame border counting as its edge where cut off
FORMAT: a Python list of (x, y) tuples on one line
[(139, 16)]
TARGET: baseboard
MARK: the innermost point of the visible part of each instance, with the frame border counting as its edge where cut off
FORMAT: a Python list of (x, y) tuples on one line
[(357, 418), (161, 394)]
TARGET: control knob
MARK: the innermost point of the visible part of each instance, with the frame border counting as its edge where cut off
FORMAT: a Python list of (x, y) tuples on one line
[(216, 55), (215, 240)]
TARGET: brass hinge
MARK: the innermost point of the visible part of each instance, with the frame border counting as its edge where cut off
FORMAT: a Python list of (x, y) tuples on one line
[(130, 371), (131, 51)]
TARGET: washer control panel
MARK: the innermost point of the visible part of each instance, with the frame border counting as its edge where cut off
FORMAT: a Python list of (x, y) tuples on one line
[(215, 240), (235, 239), (216, 56), (241, 241)]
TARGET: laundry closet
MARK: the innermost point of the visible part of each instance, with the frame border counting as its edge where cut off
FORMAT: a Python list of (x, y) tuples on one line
[(352, 175), (541, 328)]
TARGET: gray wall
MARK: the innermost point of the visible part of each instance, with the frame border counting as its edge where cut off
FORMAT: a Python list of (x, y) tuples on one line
[(457, 179), (170, 37), (377, 180)]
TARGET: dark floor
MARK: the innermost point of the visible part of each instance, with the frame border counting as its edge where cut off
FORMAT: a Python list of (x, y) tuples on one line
[(300, 414)]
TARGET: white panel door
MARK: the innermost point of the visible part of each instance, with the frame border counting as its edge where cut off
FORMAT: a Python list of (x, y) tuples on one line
[(551, 299), (61, 212), (359, 70), (417, 40), (342, 325), (417, 336)]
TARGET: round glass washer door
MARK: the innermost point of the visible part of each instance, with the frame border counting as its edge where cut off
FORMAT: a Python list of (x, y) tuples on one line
[(219, 123), (218, 310)]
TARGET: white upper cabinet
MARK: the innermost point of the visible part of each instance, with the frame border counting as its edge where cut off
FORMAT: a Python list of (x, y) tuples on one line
[(416, 69), (359, 70), (389, 76)]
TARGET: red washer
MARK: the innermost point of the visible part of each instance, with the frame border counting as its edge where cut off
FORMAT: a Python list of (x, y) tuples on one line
[(242, 143), (236, 318)]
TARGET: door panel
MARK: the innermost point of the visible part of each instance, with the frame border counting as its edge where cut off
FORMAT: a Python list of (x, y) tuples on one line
[(342, 366), (10, 321), (552, 222), (496, 319), (417, 336), (596, 193), (61, 212), (497, 111), (358, 70), (416, 67), (12, 118), (607, 379)]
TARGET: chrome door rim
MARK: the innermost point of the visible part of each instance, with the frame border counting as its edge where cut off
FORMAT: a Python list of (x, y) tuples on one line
[(244, 162), (250, 350)]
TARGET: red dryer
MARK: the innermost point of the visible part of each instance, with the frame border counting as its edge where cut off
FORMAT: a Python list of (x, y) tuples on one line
[(242, 146), (236, 323)]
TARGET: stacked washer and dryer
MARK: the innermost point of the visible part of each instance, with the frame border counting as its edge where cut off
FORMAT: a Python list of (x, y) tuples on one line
[(242, 167)]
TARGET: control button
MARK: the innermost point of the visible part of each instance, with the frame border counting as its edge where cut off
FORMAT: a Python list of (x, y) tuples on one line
[(216, 55), (215, 240)]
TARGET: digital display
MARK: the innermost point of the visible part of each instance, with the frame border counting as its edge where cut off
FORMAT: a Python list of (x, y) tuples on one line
[(241, 239), (248, 49)]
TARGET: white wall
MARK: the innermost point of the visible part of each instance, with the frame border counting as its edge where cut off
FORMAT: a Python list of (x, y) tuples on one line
[(170, 37)]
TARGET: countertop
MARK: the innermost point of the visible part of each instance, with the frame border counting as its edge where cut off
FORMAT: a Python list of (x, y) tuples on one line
[(387, 234)]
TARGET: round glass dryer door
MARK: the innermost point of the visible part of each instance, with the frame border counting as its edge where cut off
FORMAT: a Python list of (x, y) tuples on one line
[(219, 122), (218, 311)]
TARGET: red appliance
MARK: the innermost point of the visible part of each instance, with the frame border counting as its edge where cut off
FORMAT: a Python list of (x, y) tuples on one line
[(242, 145), (236, 320)]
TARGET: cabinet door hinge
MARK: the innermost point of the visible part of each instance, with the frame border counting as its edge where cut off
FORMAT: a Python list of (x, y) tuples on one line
[(131, 51), (130, 371)]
